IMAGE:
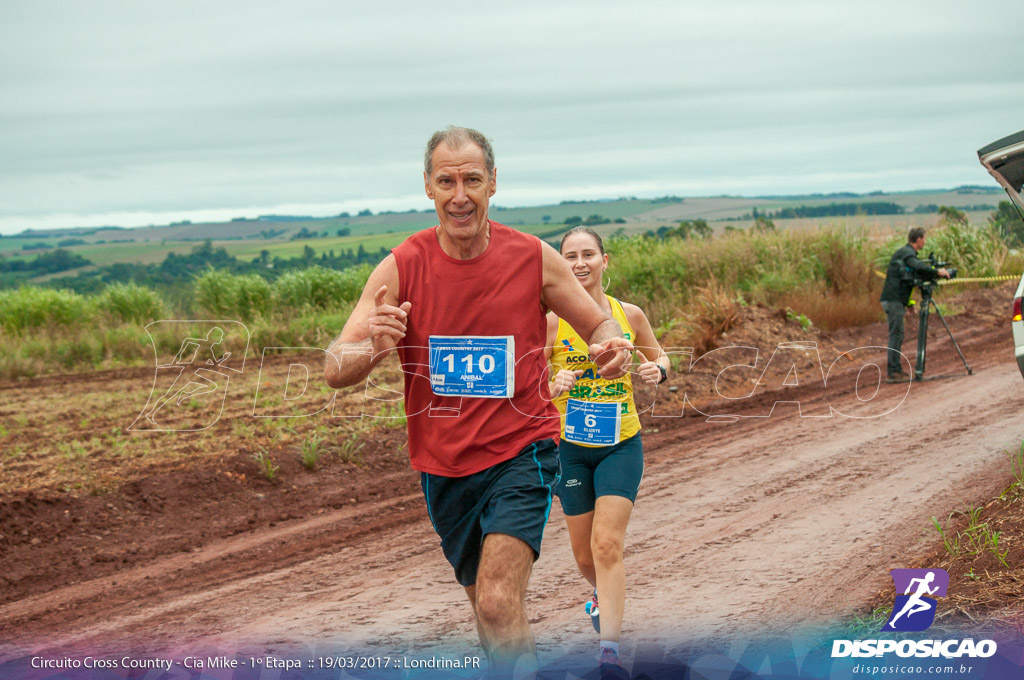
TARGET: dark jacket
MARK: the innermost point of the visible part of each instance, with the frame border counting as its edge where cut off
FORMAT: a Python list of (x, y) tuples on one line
[(898, 276)]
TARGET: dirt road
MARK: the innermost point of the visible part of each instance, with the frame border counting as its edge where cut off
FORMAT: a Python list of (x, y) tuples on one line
[(776, 521)]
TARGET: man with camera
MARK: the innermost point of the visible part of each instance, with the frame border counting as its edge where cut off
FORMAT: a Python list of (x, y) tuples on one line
[(904, 268)]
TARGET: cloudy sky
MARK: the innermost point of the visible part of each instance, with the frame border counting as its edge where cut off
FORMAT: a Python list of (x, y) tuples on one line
[(132, 113)]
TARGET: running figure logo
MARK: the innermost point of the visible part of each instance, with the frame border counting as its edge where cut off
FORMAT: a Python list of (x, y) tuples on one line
[(194, 376), (914, 610)]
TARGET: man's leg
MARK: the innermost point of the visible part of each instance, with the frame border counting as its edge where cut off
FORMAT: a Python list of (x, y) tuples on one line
[(499, 601), (471, 592), (894, 313)]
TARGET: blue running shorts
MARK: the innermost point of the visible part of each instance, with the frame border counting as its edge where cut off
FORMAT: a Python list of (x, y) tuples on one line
[(513, 498), (592, 471)]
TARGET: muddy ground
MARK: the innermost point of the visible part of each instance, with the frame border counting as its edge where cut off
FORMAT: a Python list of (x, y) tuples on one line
[(769, 501)]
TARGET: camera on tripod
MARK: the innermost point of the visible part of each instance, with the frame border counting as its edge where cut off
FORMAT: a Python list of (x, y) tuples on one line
[(919, 278), (925, 281)]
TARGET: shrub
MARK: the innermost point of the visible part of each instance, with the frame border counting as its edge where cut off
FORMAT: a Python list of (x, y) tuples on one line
[(130, 302), (320, 288), (33, 308), (224, 295), (974, 251)]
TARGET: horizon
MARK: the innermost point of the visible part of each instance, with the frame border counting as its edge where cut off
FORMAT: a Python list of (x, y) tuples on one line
[(237, 215)]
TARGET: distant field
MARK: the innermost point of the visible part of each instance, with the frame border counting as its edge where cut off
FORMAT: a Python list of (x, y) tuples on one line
[(248, 250), (11, 245), (873, 223), (104, 254), (246, 238), (730, 208), (624, 208)]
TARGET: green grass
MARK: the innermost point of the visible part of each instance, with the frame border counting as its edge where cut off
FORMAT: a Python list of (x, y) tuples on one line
[(976, 538), (867, 625), (266, 466), (692, 291), (1017, 467), (46, 330), (310, 450), (391, 414), (348, 450), (31, 308), (782, 268)]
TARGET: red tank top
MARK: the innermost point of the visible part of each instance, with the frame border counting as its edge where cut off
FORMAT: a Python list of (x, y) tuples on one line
[(497, 293)]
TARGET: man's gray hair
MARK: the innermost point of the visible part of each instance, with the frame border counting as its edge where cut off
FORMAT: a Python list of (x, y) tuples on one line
[(455, 137)]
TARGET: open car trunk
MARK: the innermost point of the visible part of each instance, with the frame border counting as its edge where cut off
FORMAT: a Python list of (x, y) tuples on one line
[(1004, 159)]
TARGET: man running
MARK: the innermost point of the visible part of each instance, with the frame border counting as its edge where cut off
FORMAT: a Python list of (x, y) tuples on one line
[(464, 304), (914, 603)]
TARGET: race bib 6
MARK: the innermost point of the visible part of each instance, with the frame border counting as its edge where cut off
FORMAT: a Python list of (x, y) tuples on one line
[(592, 422)]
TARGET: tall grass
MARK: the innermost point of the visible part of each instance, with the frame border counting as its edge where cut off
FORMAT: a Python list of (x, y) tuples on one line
[(321, 289), (128, 302), (29, 309), (825, 274), (247, 297), (223, 295), (691, 289), (974, 251), (44, 330)]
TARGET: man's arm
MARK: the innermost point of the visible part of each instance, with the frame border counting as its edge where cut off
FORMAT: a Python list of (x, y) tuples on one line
[(376, 324), (564, 295), (924, 266)]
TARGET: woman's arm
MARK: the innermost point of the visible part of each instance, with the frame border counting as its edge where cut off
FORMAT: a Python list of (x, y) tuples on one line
[(654, 358)]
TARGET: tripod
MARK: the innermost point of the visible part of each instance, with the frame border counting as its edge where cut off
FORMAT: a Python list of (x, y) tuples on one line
[(922, 331)]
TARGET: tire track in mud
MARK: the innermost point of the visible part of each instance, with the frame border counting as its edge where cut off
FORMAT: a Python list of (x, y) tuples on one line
[(227, 561)]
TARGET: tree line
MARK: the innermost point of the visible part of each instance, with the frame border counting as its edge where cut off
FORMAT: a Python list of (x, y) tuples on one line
[(178, 269), (836, 210)]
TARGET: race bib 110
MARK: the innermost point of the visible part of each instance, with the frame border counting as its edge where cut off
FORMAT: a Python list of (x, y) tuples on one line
[(472, 365)]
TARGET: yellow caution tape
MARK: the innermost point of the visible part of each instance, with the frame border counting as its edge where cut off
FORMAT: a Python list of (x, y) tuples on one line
[(975, 279), (1005, 277)]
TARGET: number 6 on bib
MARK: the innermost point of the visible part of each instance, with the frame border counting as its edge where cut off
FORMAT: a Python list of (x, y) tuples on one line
[(594, 423)]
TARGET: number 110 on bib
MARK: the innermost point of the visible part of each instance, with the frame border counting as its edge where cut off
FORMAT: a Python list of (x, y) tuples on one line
[(485, 363)]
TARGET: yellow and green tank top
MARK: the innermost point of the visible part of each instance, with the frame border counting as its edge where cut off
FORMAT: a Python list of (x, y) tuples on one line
[(570, 352)]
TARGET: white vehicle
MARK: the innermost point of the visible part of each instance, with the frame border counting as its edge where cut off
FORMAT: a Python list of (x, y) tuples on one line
[(1018, 325), (1004, 160)]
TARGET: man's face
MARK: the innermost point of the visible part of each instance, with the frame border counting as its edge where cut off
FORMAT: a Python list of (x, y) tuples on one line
[(918, 244), (461, 188)]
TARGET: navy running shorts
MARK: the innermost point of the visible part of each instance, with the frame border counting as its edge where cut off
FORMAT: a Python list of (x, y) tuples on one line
[(512, 497), (592, 471)]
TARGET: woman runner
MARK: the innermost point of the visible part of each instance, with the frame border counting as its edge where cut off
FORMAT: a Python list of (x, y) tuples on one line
[(600, 451)]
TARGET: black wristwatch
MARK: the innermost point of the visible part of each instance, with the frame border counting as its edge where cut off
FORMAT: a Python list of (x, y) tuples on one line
[(664, 374)]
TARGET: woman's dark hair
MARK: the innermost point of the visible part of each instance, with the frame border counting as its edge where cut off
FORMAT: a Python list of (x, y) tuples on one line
[(582, 230)]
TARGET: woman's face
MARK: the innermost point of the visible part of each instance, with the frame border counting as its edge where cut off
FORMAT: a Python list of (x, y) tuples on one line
[(585, 257)]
